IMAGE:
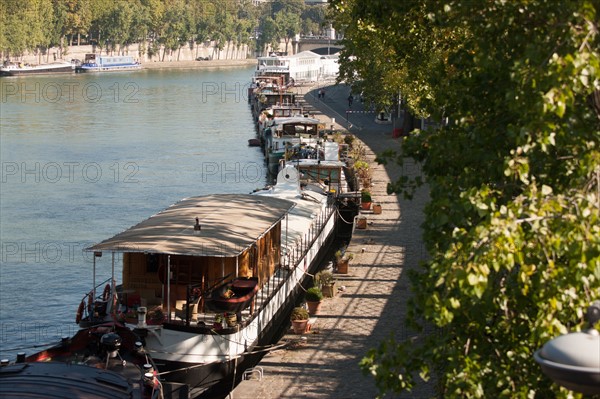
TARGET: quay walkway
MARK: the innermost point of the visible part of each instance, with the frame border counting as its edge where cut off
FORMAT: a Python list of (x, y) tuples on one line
[(324, 363)]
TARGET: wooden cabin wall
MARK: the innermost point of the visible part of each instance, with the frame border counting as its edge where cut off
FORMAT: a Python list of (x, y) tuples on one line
[(218, 267), (245, 264), (140, 274), (267, 254)]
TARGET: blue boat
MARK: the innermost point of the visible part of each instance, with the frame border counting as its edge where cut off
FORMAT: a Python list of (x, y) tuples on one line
[(107, 63)]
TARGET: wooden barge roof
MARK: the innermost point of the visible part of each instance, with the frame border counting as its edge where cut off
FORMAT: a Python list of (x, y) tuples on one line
[(230, 223)]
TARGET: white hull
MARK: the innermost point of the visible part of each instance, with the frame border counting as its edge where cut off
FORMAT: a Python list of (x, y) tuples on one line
[(109, 68), (19, 69)]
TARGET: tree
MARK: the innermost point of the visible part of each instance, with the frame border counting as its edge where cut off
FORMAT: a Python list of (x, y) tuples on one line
[(78, 18), (25, 26), (118, 23), (512, 226), (313, 19), (288, 23), (269, 33), (175, 25), (293, 6)]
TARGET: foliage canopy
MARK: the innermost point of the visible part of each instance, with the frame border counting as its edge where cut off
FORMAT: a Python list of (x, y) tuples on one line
[(35, 25), (512, 226)]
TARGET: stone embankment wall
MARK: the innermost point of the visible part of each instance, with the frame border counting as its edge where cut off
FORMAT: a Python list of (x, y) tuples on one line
[(185, 53)]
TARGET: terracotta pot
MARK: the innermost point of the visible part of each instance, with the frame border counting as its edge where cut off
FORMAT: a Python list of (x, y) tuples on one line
[(299, 326), (377, 209), (231, 320), (313, 307), (365, 206), (328, 290), (361, 222), (342, 266)]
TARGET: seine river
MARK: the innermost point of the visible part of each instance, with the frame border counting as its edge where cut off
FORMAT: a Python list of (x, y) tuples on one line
[(84, 157)]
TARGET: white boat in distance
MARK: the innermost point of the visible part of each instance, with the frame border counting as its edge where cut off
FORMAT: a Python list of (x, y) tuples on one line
[(108, 63), (21, 68)]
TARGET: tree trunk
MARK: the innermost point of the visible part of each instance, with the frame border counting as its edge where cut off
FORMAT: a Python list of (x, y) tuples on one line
[(409, 122), (78, 38)]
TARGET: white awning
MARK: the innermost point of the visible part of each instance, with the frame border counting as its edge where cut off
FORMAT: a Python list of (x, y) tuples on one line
[(230, 223)]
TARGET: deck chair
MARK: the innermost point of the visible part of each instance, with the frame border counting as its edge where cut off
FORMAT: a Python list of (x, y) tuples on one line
[(181, 309)]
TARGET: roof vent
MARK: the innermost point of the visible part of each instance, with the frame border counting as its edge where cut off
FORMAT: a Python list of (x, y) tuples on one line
[(197, 228)]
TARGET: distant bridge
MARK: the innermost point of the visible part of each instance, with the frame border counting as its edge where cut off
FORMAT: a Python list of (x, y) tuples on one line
[(317, 45)]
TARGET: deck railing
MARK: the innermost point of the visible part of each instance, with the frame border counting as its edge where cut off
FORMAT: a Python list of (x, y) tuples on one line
[(289, 263)]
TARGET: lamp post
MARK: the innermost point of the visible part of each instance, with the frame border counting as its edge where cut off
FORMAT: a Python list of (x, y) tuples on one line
[(573, 360)]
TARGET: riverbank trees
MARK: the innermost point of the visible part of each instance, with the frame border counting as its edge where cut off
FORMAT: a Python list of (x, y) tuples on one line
[(512, 226), (36, 25)]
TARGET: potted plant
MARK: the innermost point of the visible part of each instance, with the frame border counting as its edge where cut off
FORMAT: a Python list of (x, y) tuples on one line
[(231, 319), (313, 298), (365, 199), (325, 280), (377, 208), (156, 315), (342, 261), (218, 323), (349, 139), (299, 318), (361, 168), (361, 222)]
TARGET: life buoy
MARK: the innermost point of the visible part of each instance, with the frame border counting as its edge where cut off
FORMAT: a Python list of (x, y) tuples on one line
[(79, 314), (106, 293)]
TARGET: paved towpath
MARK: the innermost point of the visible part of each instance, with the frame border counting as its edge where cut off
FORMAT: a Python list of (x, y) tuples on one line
[(324, 362)]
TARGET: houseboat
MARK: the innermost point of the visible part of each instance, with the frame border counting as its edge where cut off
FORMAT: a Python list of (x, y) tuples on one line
[(287, 133), (266, 92), (21, 68), (305, 66), (108, 63), (320, 165), (207, 284), (271, 115)]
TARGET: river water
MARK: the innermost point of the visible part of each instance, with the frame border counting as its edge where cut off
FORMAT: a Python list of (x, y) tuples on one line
[(87, 156)]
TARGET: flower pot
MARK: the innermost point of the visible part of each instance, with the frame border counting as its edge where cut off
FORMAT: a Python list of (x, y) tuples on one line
[(342, 266), (377, 209), (313, 307), (328, 290), (299, 326), (365, 206), (361, 222), (231, 320)]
